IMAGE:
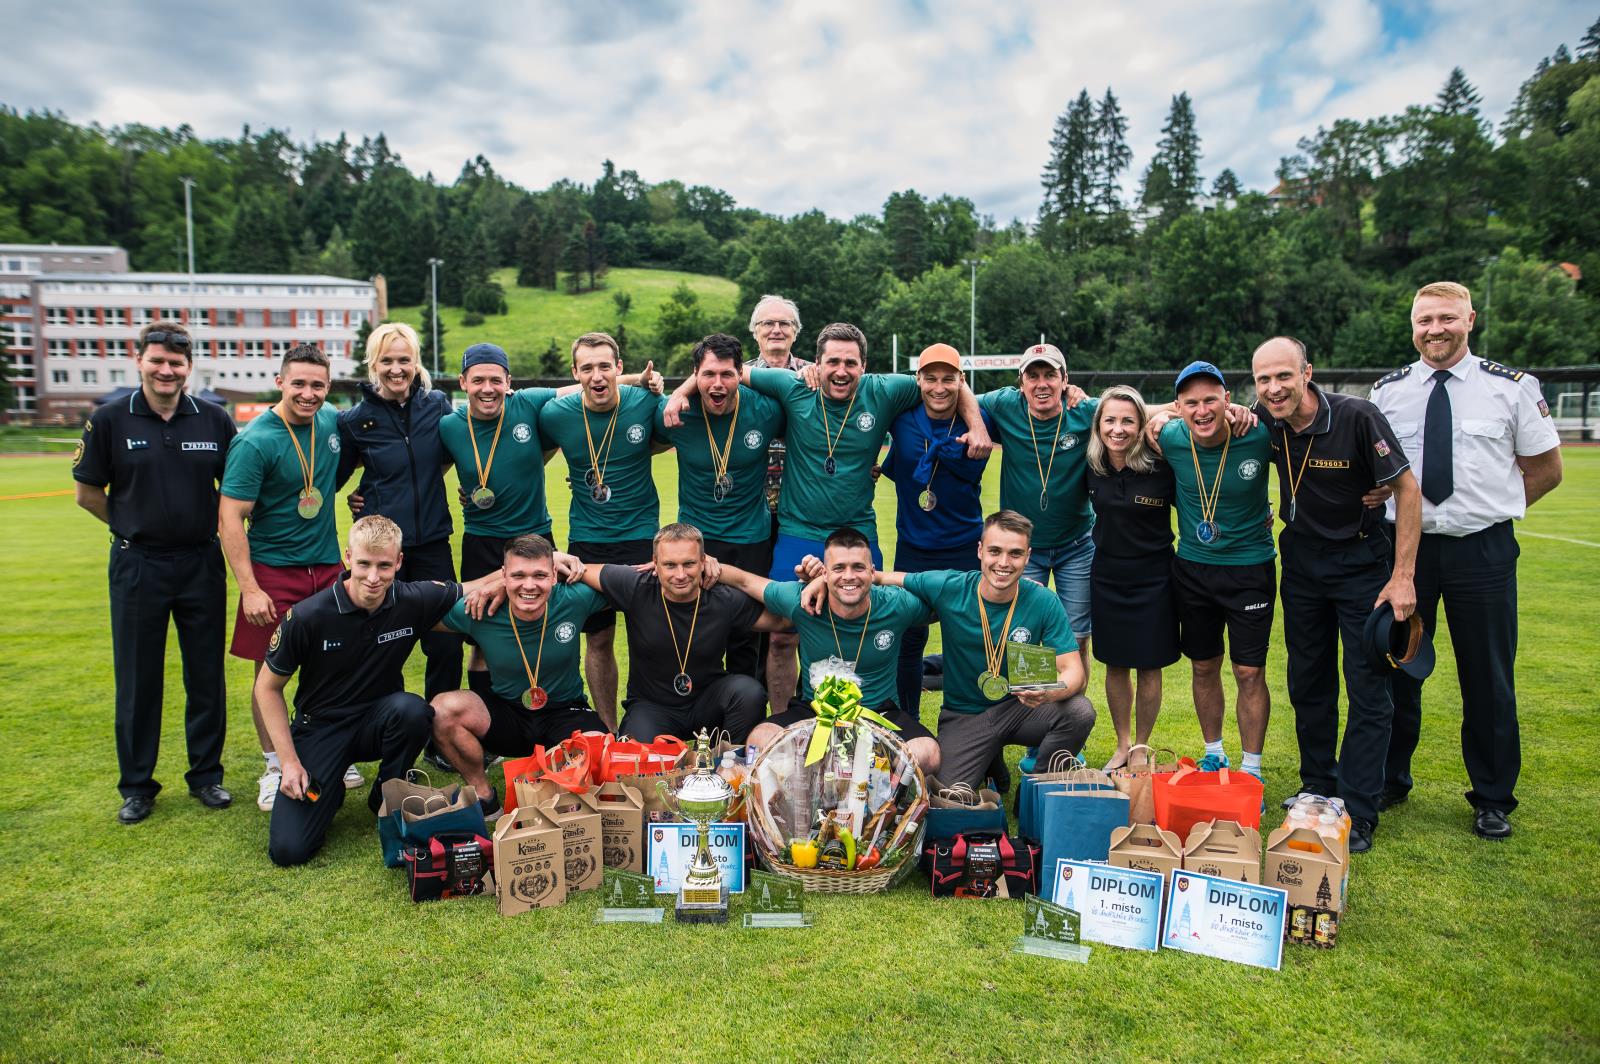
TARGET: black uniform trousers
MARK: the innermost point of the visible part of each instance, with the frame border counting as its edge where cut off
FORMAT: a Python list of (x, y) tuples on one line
[(389, 730), (431, 561), (733, 703), (149, 587), (1476, 575), (747, 651), (1327, 592)]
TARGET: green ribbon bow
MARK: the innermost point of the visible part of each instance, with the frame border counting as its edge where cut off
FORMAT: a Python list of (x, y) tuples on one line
[(838, 705)]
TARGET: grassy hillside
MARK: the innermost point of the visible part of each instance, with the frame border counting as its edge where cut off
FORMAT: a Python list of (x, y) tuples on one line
[(538, 314)]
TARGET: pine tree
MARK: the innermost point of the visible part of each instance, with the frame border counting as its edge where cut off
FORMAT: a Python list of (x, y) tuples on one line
[(530, 252), (1069, 176), (905, 224), (1458, 97), (1226, 186), (1589, 46), (1112, 154), (1178, 151), (336, 259)]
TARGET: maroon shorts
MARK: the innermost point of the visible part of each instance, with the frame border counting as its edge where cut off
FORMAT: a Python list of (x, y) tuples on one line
[(285, 585)]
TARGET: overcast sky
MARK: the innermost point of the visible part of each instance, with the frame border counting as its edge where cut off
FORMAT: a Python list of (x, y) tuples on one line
[(788, 106)]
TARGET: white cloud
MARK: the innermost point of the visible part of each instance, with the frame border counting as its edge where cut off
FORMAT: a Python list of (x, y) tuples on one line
[(787, 106)]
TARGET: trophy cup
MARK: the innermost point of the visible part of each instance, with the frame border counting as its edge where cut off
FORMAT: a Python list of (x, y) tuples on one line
[(702, 799)]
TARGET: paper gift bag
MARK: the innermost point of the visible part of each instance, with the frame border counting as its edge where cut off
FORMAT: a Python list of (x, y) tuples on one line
[(528, 862), (1060, 768), (1188, 797), (621, 826), (961, 810), (628, 757), (414, 812), (1135, 782), (1076, 821)]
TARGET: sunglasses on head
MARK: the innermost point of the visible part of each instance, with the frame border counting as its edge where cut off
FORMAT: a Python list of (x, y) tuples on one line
[(175, 340)]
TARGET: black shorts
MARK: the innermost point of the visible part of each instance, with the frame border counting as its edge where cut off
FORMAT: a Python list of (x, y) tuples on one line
[(910, 727), (480, 555), (621, 552), (515, 731), (1239, 598), (751, 557)]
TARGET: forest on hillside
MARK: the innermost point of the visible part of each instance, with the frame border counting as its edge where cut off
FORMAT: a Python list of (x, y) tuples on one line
[(1121, 270)]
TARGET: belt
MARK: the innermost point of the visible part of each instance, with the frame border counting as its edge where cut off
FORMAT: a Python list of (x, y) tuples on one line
[(160, 552)]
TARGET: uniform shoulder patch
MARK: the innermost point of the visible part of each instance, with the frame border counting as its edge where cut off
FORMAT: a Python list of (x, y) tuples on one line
[(1389, 378), (1500, 371), (77, 454)]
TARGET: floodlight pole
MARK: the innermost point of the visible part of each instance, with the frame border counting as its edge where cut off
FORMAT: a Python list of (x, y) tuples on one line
[(433, 274), (188, 222), (972, 320)]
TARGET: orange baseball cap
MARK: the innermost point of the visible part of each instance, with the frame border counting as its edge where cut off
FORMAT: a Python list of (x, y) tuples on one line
[(940, 355)]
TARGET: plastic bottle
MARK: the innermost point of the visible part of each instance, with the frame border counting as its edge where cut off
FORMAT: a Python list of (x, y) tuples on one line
[(1302, 815), (731, 770), (1332, 826)]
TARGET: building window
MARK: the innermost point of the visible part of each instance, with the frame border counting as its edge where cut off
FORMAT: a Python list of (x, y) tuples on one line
[(60, 348), (58, 376), (254, 319), (116, 349), (280, 348), (22, 400), (202, 347), (13, 265), (172, 314), (227, 348), (254, 349), (229, 318), (90, 376), (84, 316), (116, 376), (88, 348), (141, 316), (308, 320), (279, 319), (199, 316), (116, 316), (358, 318), (334, 348), (333, 319), (56, 316), (17, 333)]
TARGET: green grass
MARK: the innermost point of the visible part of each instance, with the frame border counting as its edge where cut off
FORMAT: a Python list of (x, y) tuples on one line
[(178, 939), (538, 314)]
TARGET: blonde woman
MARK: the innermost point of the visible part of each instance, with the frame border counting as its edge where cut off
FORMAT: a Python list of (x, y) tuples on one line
[(1130, 585)]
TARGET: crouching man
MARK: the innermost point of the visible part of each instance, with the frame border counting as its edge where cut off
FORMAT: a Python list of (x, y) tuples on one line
[(349, 643)]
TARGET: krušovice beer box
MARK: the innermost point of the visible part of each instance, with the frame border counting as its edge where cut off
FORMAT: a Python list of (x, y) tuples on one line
[(1224, 849), (1315, 870)]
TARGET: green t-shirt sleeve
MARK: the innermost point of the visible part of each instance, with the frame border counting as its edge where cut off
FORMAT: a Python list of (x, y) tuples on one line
[(1173, 435), (774, 383), (587, 599), (900, 393), (783, 597), (928, 587), (991, 401), (916, 611), (243, 474), (457, 620)]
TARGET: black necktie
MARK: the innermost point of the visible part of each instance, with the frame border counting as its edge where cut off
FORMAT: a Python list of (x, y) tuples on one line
[(1438, 479)]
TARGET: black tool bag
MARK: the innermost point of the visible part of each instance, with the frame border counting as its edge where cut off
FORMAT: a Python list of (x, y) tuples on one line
[(447, 866), (974, 864)]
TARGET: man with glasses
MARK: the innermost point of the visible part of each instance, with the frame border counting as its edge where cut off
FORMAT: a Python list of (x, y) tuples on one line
[(161, 454)]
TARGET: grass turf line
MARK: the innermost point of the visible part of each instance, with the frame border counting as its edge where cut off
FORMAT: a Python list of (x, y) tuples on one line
[(178, 938)]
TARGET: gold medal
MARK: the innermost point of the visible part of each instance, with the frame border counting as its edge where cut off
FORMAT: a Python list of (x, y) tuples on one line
[(927, 500), (534, 697), (994, 687), (309, 504), (991, 684), (1206, 530), (721, 482), (1045, 471), (599, 457), (482, 497)]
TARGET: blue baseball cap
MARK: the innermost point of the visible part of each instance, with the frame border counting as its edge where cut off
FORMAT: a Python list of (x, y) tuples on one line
[(484, 354), (1198, 369)]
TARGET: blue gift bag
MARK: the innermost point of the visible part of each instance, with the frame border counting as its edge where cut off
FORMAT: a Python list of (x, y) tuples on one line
[(1076, 821)]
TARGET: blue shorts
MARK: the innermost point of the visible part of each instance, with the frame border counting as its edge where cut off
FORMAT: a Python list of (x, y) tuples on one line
[(788, 550), (1070, 566)]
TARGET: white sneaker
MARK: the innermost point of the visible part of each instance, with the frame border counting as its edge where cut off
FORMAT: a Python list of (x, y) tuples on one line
[(269, 789), (352, 778)]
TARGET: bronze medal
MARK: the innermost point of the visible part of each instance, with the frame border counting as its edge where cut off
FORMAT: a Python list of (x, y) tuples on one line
[(534, 698), (310, 503), (601, 493), (927, 500), (482, 498)]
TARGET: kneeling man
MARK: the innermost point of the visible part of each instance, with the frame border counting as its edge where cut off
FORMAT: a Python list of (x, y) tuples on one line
[(535, 694), (349, 643), (860, 625), (978, 614)]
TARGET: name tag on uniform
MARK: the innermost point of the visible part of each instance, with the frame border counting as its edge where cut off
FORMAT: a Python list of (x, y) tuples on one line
[(1329, 463), (1145, 500), (137, 445), (398, 633), (199, 445)]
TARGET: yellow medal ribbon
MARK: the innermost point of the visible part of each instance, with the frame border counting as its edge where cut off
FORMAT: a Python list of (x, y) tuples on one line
[(472, 434), (860, 643), (1296, 478), (688, 647), (595, 462), (1044, 472), (308, 469), (994, 650), (719, 462), (533, 673), (1208, 504), (828, 434), (838, 705)]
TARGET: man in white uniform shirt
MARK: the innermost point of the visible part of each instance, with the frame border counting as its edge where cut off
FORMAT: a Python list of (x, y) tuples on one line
[(1480, 438)]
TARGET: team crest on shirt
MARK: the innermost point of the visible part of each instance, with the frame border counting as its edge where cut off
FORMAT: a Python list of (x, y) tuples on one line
[(752, 439), (1069, 441), (77, 453), (865, 422), (635, 433), (883, 640), (1249, 469), (1021, 635), (565, 631), (333, 442), (522, 432)]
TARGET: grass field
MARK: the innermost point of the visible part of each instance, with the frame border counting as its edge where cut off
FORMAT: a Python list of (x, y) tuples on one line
[(536, 315), (177, 939)]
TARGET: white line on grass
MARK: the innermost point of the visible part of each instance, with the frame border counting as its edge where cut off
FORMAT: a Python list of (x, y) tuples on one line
[(1563, 539)]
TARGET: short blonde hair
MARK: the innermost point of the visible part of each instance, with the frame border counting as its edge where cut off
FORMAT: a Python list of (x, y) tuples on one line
[(1140, 460), (379, 339), (375, 533), (596, 339), (1445, 290)]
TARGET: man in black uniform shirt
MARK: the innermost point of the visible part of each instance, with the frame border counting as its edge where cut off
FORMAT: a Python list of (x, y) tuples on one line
[(160, 452), (350, 642), (678, 632), (1330, 450)]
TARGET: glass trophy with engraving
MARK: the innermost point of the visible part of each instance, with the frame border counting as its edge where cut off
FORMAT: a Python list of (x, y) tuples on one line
[(702, 799)]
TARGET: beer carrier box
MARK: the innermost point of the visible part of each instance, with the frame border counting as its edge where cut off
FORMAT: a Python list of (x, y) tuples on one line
[(579, 818), (1315, 871), (1147, 848), (528, 862), (1224, 849), (621, 826)]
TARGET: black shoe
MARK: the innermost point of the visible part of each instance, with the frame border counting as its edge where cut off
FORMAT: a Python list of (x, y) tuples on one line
[(490, 804), (1361, 835), (136, 808), (1488, 824), (212, 796), (999, 774), (434, 757), (1390, 799)]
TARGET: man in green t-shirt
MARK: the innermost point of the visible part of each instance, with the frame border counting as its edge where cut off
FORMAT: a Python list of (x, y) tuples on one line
[(607, 434), (280, 477), (722, 444), (1224, 576), (837, 416), (534, 696), (979, 613), (859, 627)]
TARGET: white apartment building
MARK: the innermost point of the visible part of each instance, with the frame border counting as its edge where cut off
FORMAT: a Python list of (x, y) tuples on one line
[(19, 264), (87, 326)]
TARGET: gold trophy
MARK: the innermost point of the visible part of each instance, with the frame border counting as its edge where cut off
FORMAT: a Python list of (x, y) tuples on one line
[(702, 799)]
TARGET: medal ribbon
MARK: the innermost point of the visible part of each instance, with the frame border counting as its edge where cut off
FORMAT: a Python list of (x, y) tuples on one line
[(1208, 505), (838, 705), (1295, 478), (1044, 472), (828, 433), (533, 673), (860, 643), (472, 434), (688, 647), (719, 462), (595, 462), (308, 470), (994, 649)]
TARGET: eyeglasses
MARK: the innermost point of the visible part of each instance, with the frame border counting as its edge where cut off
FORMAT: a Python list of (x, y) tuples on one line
[(775, 323), (174, 340)]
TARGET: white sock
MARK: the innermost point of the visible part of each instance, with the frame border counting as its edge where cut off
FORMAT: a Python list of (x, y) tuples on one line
[(1252, 763), (1215, 749), (272, 761)]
